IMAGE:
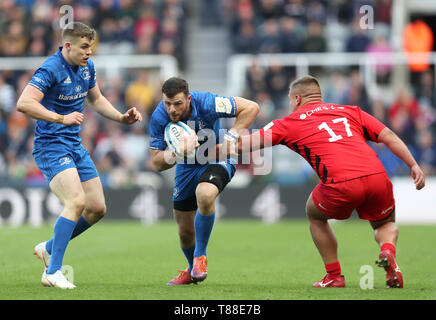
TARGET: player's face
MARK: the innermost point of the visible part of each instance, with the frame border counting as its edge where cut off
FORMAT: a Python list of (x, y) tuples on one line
[(79, 51), (177, 107)]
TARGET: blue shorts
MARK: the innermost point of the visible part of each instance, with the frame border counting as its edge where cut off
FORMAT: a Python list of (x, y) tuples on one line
[(188, 177), (56, 158)]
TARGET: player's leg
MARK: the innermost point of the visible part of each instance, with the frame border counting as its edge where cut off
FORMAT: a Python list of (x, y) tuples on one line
[(379, 209), (322, 234), (185, 223), (67, 187), (386, 235), (327, 245), (94, 210), (386, 231), (95, 207), (212, 181)]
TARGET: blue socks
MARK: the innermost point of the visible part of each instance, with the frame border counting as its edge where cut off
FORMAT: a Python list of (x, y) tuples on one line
[(63, 230), (189, 254), (203, 227), (81, 226)]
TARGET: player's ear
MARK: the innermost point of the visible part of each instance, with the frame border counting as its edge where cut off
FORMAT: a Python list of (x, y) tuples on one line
[(298, 99), (67, 44)]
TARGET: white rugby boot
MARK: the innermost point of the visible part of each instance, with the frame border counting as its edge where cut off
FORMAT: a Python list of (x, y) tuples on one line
[(41, 253), (56, 279)]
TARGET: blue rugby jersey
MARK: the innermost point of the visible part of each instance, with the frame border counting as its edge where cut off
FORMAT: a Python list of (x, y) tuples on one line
[(65, 88), (207, 109)]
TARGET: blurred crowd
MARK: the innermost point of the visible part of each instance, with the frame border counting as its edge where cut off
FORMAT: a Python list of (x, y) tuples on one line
[(256, 26), (32, 28)]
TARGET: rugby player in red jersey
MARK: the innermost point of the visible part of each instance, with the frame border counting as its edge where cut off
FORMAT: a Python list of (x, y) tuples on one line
[(332, 138)]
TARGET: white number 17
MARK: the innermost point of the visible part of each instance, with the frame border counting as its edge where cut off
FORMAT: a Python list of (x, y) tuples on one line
[(333, 135)]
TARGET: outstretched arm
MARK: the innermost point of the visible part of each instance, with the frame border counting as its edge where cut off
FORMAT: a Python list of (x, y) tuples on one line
[(107, 110), (246, 112), (29, 103), (397, 146)]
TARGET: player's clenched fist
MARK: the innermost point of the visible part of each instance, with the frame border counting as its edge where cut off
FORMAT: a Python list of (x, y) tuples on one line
[(73, 118)]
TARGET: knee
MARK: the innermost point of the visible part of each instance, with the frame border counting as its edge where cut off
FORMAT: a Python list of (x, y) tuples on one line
[(77, 203), (205, 199), (97, 209)]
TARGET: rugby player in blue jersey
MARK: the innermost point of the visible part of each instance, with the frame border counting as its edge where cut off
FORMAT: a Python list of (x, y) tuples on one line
[(55, 97), (197, 183)]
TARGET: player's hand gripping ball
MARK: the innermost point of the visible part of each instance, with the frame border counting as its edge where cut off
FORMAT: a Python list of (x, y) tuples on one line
[(181, 139)]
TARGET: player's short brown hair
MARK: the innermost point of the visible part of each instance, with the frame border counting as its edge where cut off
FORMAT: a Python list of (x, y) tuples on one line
[(76, 29), (174, 86), (304, 82)]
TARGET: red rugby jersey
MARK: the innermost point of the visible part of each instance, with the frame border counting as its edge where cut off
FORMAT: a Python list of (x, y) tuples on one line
[(332, 138)]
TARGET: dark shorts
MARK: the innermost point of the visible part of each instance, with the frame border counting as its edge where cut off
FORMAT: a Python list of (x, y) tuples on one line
[(371, 196), (186, 183)]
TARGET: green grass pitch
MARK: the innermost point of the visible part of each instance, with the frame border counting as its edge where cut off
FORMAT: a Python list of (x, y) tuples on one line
[(247, 261)]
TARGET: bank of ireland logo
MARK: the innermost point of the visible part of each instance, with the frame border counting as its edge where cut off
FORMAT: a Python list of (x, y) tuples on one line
[(64, 161)]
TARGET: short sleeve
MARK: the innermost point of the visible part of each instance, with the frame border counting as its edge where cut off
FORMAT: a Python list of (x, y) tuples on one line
[(157, 139), (42, 80), (371, 126), (219, 106), (273, 133)]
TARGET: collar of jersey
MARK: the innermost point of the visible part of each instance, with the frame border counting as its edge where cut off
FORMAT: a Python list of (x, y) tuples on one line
[(65, 61)]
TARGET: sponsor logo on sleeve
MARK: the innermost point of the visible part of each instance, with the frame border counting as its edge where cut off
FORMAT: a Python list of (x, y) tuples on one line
[(223, 105)]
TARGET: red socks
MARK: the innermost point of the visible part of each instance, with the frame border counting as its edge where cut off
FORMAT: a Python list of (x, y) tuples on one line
[(333, 269), (389, 247)]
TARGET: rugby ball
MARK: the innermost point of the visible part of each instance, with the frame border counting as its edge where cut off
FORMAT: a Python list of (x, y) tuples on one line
[(173, 132)]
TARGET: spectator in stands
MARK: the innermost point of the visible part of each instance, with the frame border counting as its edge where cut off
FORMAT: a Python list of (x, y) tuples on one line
[(380, 51), (255, 79), (270, 39), (383, 11), (14, 41), (378, 109), (244, 14), (315, 41), (426, 93), (290, 36), (402, 115), (246, 40), (426, 151), (140, 93), (295, 9), (277, 82), (358, 41), (336, 89), (316, 12), (418, 38), (341, 10), (269, 9), (7, 96), (356, 94)]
